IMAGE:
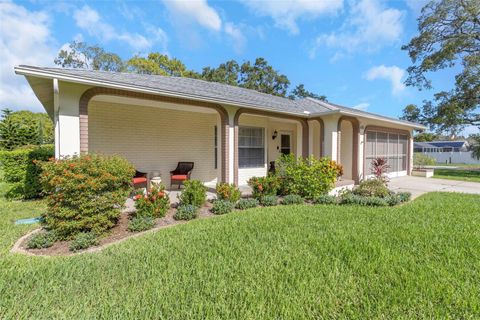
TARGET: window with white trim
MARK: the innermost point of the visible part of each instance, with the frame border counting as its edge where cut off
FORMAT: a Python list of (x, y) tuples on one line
[(251, 147)]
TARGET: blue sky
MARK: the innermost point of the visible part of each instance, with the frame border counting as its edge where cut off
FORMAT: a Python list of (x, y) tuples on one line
[(348, 50)]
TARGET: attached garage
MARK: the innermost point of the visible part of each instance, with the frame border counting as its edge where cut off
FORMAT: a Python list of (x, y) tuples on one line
[(389, 145)]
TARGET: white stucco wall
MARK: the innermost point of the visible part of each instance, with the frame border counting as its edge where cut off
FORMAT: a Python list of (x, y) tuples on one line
[(155, 139)]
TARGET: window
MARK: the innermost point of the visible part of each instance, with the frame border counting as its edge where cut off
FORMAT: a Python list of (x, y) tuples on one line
[(251, 147), (215, 134)]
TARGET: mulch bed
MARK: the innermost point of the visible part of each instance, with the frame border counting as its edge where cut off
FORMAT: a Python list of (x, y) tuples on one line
[(116, 234)]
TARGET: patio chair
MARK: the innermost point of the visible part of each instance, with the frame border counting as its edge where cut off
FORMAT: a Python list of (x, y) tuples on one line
[(140, 180), (181, 173)]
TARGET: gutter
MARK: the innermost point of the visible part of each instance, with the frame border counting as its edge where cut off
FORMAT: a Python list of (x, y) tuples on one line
[(28, 71)]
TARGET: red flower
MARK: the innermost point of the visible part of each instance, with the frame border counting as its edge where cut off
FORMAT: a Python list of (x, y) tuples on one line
[(161, 194), (137, 196)]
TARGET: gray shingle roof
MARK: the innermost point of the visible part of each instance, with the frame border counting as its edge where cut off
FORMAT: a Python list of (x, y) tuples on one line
[(201, 89)]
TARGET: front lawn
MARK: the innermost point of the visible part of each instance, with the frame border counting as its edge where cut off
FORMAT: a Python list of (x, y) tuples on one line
[(419, 260), (471, 175)]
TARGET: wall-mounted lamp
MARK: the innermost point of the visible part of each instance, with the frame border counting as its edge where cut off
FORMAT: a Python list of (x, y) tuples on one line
[(274, 135)]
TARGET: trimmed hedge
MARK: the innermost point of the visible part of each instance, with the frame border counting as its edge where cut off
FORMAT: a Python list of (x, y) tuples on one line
[(20, 169)]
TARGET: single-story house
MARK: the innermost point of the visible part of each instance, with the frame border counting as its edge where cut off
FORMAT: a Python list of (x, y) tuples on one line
[(441, 146), (230, 133)]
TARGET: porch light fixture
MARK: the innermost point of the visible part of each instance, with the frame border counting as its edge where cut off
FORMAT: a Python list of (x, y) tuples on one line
[(274, 135)]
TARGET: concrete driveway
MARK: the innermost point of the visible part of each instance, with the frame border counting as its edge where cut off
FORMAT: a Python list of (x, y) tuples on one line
[(418, 186)]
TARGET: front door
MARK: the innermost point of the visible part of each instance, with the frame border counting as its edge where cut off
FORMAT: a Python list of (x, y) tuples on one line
[(285, 143)]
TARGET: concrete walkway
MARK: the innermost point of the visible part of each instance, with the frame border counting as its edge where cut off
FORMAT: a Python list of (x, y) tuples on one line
[(418, 186)]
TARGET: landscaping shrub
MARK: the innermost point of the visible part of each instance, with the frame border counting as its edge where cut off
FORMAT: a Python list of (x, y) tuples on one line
[(194, 193), (372, 188), (83, 240), (85, 193), (325, 199), (393, 199), (308, 177), (154, 204), (247, 203), (42, 240), (141, 223), (264, 186), (421, 160), (20, 169), (404, 196), (379, 167), (228, 192), (222, 207), (351, 198), (186, 212), (269, 201), (292, 199)]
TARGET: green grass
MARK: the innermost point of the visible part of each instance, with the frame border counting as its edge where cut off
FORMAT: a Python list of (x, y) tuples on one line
[(419, 260), (458, 174)]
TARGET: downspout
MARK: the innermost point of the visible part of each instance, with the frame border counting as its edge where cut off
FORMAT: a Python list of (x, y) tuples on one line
[(56, 116)]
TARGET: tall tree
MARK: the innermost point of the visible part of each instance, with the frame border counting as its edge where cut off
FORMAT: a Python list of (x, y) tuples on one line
[(22, 128), (412, 113), (300, 92), (263, 77), (81, 55), (449, 35), (161, 64), (228, 73)]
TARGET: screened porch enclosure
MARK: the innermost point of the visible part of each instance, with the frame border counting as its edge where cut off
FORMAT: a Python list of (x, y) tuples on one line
[(391, 146)]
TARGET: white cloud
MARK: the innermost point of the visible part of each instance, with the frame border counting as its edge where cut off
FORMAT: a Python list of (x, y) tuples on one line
[(25, 38), (196, 10), (362, 106), (393, 74), (89, 20), (285, 13), (236, 35), (368, 27)]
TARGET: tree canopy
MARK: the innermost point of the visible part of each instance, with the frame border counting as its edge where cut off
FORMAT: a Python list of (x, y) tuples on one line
[(258, 75), (449, 36), (22, 128)]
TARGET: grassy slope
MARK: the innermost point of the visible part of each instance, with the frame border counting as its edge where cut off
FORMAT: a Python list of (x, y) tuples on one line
[(415, 261), (458, 174)]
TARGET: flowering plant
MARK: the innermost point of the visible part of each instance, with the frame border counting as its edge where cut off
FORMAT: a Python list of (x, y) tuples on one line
[(263, 186), (153, 204), (380, 169)]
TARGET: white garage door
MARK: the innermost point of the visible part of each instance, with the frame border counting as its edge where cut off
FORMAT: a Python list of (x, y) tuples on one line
[(391, 146)]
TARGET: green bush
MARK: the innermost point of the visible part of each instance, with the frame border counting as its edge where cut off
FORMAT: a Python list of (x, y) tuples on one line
[(372, 188), (154, 204), (421, 160), (247, 204), (264, 186), (83, 240), (42, 240), (85, 193), (222, 207), (308, 177), (186, 212), (269, 201), (392, 200), (21, 169), (404, 196), (228, 192), (194, 193), (292, 199), (325, 199), (351, 198), (141, 223)]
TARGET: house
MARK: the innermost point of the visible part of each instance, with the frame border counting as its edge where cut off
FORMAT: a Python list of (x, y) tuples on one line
[(441, 146), (447, 152), (230, 133)]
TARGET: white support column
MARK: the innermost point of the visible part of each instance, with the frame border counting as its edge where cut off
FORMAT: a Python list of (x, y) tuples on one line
[(56, 123), (299, 141), (410, 153), (231, 143), (331, 141)]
